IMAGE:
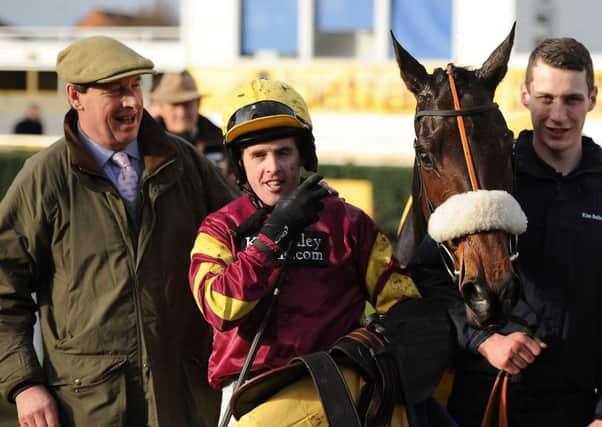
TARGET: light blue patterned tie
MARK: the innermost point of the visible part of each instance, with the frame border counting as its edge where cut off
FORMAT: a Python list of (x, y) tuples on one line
[(127, 182)]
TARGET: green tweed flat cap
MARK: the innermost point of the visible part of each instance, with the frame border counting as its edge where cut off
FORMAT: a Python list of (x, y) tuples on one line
[(100, 59)]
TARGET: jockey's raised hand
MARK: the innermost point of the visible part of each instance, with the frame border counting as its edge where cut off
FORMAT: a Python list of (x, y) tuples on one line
[(295, 211)]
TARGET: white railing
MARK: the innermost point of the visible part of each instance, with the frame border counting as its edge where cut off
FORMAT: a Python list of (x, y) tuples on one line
[(62, 34), (35, 48)]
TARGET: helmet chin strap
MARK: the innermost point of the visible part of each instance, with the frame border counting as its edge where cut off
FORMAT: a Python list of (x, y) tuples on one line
[(246, 188)]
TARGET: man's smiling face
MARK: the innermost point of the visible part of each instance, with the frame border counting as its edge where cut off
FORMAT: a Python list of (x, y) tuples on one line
[(110, 114), (558, 100)]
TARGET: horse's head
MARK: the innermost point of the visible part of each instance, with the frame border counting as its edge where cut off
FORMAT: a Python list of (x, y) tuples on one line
[(455, 175)]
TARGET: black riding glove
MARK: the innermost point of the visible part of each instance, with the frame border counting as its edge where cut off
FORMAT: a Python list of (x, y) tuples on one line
[(294, 212)]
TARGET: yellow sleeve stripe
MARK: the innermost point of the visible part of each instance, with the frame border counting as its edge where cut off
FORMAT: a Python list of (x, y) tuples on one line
[(204, 244), (210, 246), (227, 308), (398, 286), (204, 268), (380, 257)]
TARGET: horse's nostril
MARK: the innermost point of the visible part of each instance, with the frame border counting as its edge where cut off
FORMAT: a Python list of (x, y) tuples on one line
[(468, 288), (471, 290), (487, 309), (478, 299)]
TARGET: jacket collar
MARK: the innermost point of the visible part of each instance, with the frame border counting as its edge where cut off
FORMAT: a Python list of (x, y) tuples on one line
[(155, 147), (528, 162)]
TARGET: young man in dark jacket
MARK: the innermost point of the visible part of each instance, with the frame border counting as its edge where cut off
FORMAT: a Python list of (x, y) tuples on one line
[(556, 363)]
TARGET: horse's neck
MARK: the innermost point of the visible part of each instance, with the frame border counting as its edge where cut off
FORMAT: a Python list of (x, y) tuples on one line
[(413, 228)]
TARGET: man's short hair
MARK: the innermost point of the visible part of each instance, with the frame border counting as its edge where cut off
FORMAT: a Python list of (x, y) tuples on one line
[(565, 53), (81, 88)]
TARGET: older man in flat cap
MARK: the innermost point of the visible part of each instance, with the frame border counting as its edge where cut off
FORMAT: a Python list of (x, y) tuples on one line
[(100, 226)]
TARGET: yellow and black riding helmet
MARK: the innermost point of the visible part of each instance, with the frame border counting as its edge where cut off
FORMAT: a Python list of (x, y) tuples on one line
[(265, 110)]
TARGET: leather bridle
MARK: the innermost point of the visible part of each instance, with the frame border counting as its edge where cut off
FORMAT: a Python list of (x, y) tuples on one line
[(447, 255), (459, 113)]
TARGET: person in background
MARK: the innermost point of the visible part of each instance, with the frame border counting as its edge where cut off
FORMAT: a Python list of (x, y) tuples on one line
[(32, 122), (176, 102), (334, 255), (553, 346), (100, 226)]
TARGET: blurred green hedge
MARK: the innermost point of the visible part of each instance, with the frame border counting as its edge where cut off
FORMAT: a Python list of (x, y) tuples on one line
[(10, 163), (390, 185)]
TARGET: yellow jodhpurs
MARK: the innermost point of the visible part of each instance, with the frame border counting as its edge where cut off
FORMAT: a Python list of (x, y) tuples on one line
[(298, 405)]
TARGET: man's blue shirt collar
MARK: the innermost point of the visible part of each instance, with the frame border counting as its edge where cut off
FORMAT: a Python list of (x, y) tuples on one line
[(102, 154)]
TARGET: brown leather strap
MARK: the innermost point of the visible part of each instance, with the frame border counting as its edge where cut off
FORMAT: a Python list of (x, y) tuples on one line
[(503, 403), (453, 113), (465, 146), (500, 386), (377, 364)]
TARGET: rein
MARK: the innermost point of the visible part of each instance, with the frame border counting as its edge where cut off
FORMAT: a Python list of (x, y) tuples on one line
[(500, 388), (465, 146)]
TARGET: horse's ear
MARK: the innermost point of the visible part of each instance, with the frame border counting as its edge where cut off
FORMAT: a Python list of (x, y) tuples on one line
[(494, 69), (413, 74)]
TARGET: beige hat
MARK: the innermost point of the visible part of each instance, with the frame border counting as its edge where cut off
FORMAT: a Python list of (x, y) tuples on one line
[(100, 59), (175, 88)]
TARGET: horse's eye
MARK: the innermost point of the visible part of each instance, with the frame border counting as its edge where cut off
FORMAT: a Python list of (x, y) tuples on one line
[(424, 158)]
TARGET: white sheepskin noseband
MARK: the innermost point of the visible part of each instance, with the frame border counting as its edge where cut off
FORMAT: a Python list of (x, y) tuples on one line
[(475, 211)]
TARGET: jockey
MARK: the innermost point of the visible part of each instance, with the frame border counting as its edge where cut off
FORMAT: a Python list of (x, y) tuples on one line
[(332, 255)]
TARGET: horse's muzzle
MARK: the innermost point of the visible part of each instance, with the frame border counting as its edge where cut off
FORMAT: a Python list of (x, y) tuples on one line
[(487, 309)]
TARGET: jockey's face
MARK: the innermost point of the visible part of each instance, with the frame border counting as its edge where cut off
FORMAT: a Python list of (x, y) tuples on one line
[(273, 168)]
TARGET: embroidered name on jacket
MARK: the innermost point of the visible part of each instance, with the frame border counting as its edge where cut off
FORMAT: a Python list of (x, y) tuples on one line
[(310, 248), (595, 217)]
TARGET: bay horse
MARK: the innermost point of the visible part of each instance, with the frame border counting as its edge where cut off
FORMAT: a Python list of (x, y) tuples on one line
[(462, 179), (384, 374)]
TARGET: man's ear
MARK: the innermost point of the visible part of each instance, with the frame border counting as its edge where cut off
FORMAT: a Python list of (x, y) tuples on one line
[(525, 97), (73, 97), (592, 98)]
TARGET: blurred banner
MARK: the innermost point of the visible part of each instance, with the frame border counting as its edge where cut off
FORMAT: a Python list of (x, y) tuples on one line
[(332, 86)]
